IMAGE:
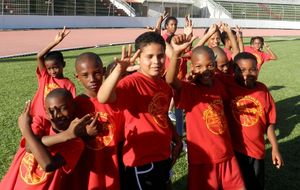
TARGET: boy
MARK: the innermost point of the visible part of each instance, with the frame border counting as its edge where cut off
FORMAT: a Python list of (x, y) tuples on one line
[(33, 167), (50, 74), (144, 98), (252, 115), (98, 166), (256, 45), (212, 164)]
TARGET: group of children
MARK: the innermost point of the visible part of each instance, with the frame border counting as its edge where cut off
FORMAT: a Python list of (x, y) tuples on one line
[(117, 134)]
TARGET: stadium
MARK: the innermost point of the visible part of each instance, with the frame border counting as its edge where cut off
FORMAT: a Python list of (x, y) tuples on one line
[(103, 26)]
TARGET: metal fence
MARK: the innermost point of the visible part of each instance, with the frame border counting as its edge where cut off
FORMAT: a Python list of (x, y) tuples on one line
[(178, 8)]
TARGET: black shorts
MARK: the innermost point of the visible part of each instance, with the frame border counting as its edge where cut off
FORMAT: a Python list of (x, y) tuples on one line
[(153, 176), (253, 171)]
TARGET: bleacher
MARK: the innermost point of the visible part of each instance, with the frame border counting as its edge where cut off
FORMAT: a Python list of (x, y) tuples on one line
[(68, 7), (266, 11)]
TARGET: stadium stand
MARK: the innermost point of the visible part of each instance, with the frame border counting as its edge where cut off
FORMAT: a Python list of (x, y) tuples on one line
[(67, 7), (267, 11)]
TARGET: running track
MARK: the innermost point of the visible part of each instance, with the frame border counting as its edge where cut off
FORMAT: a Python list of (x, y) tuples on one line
[(22, 42)]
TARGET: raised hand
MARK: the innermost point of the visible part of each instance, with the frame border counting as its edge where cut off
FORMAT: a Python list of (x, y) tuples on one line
[(61, 35), (24, 119), (225, 27), (239, 32), (188, 27), (180, 42), (126, 59)]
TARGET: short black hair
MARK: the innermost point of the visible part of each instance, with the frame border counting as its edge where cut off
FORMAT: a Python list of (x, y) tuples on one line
[(244, 55), (148, 38), (57, 56), (59, 92), (257, 37), (224, 36), (169, 19), (205, 49), (90, 56)]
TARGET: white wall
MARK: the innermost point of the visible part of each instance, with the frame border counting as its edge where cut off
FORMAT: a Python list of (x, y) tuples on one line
[(39, 22)]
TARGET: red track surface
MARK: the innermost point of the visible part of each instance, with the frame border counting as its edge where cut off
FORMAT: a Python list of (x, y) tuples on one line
[(21, 42)]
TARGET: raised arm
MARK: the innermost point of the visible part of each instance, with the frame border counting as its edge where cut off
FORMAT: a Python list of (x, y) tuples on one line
[(276, 156), (157, 27), (269, 51), (239, 37), (58, 38), (106, 92), (40, 152), (234, 46), (213, 28), (178, 43)]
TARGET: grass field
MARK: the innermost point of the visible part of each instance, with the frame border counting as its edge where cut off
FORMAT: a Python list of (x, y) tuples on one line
[(18, 84)]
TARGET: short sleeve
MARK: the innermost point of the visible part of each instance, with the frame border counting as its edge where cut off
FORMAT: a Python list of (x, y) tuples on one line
[(71, 152), (271, 111)]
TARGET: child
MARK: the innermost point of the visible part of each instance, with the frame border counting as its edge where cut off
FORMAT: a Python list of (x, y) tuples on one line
[(256, 45), (212, 36), (252, 115), (231, 41), (222, 63), (50, 74), (212, 164), (33, 167), (98, 166), (144, 97), (170, 27)]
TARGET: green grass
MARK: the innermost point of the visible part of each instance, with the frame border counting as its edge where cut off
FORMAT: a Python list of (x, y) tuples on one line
[(18, 84)]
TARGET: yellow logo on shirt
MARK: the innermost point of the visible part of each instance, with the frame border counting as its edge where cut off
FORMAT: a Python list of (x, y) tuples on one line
[(106, 134), (31, 172), (49, 87), (158, 109), (246, 110), (215, 118)]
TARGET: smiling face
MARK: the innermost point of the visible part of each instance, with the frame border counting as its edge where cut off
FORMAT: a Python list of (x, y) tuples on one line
[(247, 73), (90, 73), (214, 40), (60, 111), (152, 60), (203, 68)]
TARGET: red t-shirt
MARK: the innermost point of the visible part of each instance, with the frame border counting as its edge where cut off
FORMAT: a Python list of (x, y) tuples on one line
[(165, 35), (252, 111), (145, 102), (46, 84), (228, 53), (98, 166), (261, 56), (26, 173), (208, 137), (182, 67)]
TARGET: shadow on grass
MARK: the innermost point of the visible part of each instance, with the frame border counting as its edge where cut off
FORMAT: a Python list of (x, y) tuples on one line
[(288, 115), (275, 88), (288, 177)]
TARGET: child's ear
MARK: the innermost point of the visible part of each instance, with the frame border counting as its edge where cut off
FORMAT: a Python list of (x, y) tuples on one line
[(76, 76)]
